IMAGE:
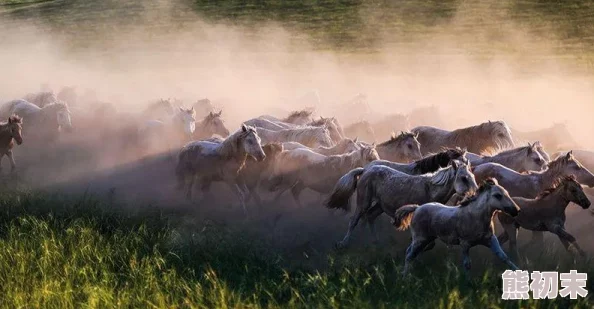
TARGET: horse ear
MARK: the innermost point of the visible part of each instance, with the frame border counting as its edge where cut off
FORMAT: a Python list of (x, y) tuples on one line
[(181, 109), (244, 127), (210, 114), (9, 119), (454, 164), (569, 154), (356, 139), (373, 145), (219, 113)]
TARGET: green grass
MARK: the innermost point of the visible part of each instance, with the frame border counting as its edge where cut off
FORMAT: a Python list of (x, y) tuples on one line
[(59, 253)]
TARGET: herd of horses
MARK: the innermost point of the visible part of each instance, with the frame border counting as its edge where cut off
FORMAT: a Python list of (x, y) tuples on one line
[(442, 184)]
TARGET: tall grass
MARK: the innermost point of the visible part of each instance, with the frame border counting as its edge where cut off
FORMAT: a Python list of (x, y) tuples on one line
[(62, 253)]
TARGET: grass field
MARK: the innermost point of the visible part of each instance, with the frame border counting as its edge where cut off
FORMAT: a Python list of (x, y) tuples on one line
[(62, 253)]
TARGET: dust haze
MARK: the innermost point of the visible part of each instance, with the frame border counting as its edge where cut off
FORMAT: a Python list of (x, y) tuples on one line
[(263, 69)]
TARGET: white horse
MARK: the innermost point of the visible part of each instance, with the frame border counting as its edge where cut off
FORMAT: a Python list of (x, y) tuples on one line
[(178, 127), (44, 121)]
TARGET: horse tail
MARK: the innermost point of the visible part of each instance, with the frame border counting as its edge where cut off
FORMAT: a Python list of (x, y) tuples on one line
[(403, 216), (344, 189)]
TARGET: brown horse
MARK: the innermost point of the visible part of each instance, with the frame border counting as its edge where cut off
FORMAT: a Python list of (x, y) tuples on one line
[(545, 213), (403, 148), (10, 132), (480, 139)]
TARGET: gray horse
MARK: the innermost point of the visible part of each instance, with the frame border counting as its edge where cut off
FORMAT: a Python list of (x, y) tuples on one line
[(381, 189), (520, 159), (333, 126), (205, 162), (321, 176), (344, 146), (254, 171), (211, 124), (531, 184), (468, 225), (269, 124), (42, 98), (403, 148), (484, 138), (308, 136), (426, 165), (545, 213)]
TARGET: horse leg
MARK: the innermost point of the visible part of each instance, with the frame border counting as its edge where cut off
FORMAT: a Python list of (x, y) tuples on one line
[(371, 216), (510, 232), (258, 200), (205, 190), (240, 195), (352, 224), (1, 157), (429, 246), (281, 188), (12, 163), (536, 240), (415, 248), (190, 187), (296, 191), (494, 245), (466, 262), (568, 240)]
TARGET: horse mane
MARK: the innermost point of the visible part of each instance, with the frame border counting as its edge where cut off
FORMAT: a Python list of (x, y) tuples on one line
[(320, 122), (441, 176), (397, 139), (558, 182), (230, 145), (512, 151), (11, 120), (15, 119), (272, 148), (468, 135), (320, 132), (297, 114), (559, 162), (485, 186), (336, 161), (436, 161)]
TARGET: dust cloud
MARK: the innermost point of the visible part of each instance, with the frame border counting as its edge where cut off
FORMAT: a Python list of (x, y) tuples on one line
[(494, 71)]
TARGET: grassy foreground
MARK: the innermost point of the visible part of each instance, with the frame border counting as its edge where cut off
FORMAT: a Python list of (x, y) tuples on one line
[(58, 253)]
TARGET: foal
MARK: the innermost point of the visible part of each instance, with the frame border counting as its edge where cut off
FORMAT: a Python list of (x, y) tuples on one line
[(545, 213), (468, 225), (10, 132)]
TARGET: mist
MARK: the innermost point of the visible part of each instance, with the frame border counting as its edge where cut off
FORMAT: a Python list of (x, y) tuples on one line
[(498, 70)]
